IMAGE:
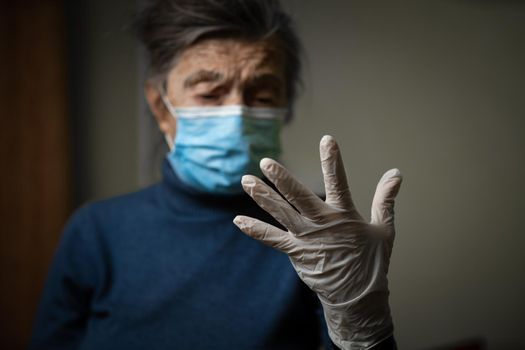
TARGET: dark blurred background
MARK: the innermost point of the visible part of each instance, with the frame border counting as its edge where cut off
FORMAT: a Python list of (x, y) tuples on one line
[(436, 88)]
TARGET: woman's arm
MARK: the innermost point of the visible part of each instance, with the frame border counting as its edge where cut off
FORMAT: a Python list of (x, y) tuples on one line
[(64, 308)]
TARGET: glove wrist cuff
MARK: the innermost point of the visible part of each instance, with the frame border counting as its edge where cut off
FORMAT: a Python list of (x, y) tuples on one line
[(360, 323)]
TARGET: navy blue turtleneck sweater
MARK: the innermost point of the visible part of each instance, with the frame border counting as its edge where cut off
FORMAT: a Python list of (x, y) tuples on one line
[(165, 268)]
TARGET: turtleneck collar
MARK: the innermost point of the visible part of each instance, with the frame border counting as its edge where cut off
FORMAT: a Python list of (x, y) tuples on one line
[(187, 200)]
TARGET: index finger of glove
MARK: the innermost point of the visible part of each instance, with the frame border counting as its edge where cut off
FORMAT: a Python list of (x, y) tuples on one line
[(271, 202), (300, 196), (386, 192), (265, 233)]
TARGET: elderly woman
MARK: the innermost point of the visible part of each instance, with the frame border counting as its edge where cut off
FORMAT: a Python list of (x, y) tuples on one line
[(168, 267)]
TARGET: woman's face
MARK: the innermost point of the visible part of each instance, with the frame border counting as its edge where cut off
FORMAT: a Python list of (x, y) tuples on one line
[(219, 72)]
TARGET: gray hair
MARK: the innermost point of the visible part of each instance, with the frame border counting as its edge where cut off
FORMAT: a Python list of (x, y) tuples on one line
[(168, 27)]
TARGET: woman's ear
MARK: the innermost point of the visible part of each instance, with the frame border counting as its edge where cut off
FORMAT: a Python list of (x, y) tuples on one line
[(165, 120)]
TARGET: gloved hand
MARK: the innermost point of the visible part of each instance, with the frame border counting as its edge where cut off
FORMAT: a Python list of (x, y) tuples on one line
[(339, 255)]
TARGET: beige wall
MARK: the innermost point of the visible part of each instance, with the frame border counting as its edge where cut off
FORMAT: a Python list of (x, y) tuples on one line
[(104, 90), (435, 88)]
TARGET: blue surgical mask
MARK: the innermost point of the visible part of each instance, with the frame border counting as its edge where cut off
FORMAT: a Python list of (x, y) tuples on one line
[(215, 146)]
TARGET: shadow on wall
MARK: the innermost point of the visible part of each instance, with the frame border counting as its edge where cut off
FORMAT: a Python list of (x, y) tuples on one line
[(469, 344)]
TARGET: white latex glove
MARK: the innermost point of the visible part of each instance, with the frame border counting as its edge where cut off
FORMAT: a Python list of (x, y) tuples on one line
[(339, 255)]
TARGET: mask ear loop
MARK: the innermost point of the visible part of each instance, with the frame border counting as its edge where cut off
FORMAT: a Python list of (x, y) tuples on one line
[(169, 140)]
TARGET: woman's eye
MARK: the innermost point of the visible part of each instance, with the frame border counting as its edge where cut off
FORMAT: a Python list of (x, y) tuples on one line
[(208, 97), (265, 101)]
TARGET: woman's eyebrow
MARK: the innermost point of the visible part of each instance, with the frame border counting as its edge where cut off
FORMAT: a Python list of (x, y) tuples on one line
[(202, 76), (266, 80)]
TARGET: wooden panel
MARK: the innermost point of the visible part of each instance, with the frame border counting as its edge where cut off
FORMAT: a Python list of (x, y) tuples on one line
[(34, 155)]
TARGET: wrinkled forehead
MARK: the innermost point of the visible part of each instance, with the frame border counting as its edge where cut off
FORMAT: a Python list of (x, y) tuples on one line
[(231, 58)]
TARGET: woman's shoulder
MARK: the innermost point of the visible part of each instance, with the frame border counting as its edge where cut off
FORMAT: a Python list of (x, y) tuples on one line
[(115, 211), (134, 201)]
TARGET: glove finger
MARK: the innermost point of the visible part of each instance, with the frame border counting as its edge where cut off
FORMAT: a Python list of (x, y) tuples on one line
[(383, 203), (271, 202), (335, 183), (300, 196), (265, 233)]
